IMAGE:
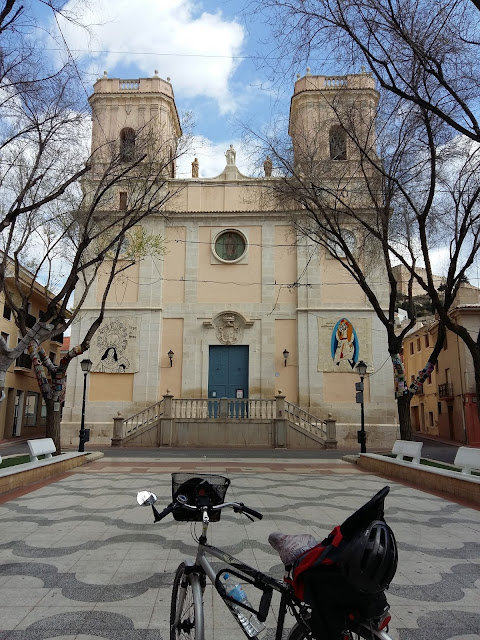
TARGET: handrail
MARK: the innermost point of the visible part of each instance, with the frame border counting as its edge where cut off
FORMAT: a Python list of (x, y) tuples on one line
[(223, 408), (228, 409), (146, 416), (305, 420)]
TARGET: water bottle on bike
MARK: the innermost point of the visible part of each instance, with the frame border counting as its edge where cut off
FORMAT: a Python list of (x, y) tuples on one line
[(250, 622)]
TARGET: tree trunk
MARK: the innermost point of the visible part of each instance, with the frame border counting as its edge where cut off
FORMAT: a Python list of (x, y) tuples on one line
[(53, 422), (403, 406)]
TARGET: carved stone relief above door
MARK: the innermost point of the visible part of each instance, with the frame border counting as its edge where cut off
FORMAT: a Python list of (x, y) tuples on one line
[(229, 327)]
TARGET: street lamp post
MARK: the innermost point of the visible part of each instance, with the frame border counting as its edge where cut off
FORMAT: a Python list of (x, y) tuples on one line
[(361, 435), (86, 366)]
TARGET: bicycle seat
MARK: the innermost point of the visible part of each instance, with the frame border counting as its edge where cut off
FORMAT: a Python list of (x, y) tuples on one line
[(290, 547)]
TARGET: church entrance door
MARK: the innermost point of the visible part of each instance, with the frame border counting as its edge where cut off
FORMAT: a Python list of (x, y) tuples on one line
[(228, 372)]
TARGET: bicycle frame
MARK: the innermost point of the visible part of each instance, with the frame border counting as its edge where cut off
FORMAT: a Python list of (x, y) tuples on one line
[(258, 579), (194, 573)]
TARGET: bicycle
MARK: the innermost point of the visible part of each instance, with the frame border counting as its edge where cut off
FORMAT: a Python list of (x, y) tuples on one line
[(200, 498)]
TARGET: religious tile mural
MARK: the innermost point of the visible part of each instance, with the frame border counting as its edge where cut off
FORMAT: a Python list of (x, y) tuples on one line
[(342, 342), (114, 348)]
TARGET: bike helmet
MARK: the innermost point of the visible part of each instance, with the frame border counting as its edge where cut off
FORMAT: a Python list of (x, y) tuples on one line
[(370, 559)]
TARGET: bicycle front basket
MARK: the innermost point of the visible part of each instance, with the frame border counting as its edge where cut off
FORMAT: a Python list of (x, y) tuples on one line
[(194, 485)]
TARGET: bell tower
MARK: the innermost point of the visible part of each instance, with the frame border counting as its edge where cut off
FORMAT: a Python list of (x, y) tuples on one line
[(125, 112), (327, 113)]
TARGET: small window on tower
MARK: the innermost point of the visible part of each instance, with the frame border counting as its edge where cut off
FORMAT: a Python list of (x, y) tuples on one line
[(338, 144), (123, 201), (127, 145)]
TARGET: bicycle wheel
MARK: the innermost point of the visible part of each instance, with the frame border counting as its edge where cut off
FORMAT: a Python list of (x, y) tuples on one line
[(186, 611)]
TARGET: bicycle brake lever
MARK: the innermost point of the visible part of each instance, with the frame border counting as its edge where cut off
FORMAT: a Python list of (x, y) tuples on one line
[(240, 510)]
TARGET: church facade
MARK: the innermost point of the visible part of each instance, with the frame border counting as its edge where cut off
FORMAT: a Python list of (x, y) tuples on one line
[(239, 306)]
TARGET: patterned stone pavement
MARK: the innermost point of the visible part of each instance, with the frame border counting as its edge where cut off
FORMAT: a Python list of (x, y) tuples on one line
[(80, 560)]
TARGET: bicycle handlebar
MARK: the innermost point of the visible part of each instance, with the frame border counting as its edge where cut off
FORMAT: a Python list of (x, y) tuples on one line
[(238, 507), (252, 512), (165, 512)]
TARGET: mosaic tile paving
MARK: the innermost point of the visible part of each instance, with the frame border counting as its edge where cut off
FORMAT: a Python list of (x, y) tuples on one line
[(80, 560)]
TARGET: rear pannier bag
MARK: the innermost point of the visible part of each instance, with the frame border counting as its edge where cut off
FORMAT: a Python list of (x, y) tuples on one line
[(320, 576)]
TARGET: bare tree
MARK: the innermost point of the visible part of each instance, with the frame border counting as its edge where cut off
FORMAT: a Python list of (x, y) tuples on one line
[(97, 235), (423, 56), (61, 221), (373, 199), (425, 53)]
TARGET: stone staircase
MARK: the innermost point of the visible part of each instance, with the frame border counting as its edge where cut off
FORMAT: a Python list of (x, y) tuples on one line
[(225, 422)]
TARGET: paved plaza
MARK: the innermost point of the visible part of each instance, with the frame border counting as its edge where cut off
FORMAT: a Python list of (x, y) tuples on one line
[(79, 559)]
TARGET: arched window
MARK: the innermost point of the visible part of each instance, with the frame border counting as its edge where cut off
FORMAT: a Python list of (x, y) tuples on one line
[(338, 144), (127, 144)]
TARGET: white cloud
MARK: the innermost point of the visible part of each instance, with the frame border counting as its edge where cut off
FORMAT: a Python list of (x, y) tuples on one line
[(203, 45)]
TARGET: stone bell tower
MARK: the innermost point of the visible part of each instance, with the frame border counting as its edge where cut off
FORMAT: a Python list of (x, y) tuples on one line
[(325, 112), (125, 112)]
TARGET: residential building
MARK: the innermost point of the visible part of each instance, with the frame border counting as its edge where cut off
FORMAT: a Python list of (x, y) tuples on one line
[(446, 404), (239, 307), (22, 412)]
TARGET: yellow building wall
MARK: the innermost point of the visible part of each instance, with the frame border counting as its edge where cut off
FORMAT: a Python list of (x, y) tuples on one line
[(285, 264), (338, 285), (172, 339), (110, 387), (230, 283), (125, 286), (286, 338), (340, 387), (174, 265), (415, 356)]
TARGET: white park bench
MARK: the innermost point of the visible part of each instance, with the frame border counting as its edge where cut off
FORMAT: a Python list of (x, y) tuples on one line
[(403, 448), (21, 475), (41, 447), (467, 459)]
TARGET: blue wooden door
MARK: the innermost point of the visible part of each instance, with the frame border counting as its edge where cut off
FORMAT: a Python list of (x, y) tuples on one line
[(228, 371)]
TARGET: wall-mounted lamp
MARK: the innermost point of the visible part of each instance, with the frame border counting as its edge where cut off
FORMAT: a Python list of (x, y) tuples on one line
[(170, 357), (285, 356)]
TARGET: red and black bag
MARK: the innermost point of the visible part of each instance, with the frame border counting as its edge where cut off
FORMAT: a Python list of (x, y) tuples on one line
[(326, 554), (319, 577)]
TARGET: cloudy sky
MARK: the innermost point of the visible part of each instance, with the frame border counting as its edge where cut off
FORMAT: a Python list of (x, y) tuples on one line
[(211, 50)]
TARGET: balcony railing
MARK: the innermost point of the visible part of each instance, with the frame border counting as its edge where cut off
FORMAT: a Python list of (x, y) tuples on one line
[(445, 390)]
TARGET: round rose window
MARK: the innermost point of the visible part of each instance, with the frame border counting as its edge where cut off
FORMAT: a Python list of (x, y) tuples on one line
[(230, 245)]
